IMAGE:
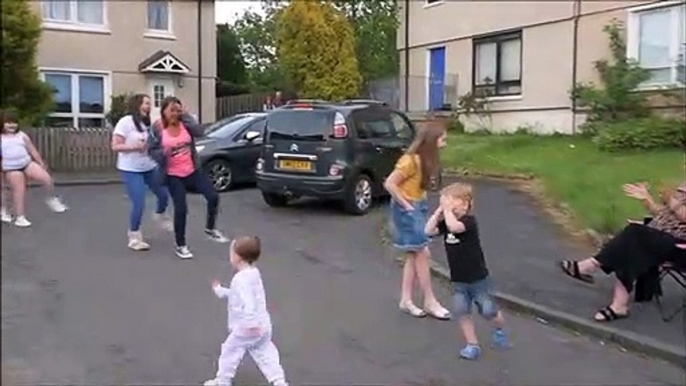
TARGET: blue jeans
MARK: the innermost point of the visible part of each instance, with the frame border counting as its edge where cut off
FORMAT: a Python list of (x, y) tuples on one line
[(479, 292), (407, 226), (135, 188), (197, 182)]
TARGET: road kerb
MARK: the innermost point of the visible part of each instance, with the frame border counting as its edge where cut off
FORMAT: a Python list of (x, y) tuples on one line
[(630, 341), (84, 182)]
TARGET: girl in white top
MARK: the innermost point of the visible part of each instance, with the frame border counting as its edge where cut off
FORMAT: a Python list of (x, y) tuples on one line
[(21, 161), (138, 170)]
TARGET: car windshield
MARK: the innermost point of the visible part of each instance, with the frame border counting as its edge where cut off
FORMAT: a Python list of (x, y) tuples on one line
[(228, 127), (300, 124)]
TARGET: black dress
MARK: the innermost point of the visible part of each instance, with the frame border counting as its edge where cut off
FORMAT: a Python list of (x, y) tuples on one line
[(635, 252)]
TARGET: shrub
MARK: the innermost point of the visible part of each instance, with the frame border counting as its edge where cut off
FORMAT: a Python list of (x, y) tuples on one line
[(645, 133), (455, 125), (118, 108)]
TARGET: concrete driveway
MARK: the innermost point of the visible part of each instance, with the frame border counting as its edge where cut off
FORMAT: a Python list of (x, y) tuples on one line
[(79, 308)]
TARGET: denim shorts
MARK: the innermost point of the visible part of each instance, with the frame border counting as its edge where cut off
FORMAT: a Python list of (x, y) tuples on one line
[(479, 292), (407, 226)]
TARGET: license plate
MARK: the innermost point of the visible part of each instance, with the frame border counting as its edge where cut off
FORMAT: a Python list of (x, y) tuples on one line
[(295, 165)]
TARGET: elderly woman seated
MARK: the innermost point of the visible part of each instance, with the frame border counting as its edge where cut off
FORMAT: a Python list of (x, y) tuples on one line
[(638, 249)]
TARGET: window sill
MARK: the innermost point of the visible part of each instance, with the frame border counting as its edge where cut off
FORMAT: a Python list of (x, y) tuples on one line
[(164, 35), (504, 98), (661, 87), (434, 4), (72, 27)]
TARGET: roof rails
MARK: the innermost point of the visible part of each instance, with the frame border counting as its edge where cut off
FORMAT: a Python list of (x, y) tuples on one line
[(307, 101), (349, 102)]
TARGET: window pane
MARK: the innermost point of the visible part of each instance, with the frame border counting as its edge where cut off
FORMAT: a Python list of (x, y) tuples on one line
[(91, 94), (61, 85), (59, 122), (660, 75), (653, 42), (90, 12), (158, 15), (91, 122), (510, 60), (56, 10), (485, 63), (158, 95)]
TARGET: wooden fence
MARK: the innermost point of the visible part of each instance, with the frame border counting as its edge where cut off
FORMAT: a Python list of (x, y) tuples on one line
[(74, 149), (237, 104)]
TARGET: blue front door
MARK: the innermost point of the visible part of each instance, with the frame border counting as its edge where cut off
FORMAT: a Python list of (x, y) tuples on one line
[(436, 77)]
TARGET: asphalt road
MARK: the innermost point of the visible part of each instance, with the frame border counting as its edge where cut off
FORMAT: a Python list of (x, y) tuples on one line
[(79, 308)]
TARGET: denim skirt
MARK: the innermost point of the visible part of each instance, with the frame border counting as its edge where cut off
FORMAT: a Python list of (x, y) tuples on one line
[(407, 226)]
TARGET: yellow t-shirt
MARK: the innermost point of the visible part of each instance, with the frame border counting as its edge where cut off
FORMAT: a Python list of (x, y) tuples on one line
[(411, 188)]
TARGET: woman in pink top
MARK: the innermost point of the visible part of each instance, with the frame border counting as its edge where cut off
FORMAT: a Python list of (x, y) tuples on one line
[(173, 141)]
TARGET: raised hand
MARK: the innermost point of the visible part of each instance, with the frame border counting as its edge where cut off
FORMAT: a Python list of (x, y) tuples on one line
[(638, 191)]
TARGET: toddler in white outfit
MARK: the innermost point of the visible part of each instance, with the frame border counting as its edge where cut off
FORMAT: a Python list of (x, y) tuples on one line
[(250, 326)]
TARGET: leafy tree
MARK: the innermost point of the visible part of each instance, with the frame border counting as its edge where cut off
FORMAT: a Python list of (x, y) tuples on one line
[(230, 66), (257, 42), (375, 23), (316, 48), (617, 99), (118, 108), (22, 90)]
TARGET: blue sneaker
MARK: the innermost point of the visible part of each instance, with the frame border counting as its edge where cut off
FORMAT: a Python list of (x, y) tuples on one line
[(470, 352), (500, 339)]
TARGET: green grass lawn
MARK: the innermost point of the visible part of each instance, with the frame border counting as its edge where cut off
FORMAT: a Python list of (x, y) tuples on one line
[(573, 171)]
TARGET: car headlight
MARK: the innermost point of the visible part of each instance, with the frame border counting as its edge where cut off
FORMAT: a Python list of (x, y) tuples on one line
[(199, 148)]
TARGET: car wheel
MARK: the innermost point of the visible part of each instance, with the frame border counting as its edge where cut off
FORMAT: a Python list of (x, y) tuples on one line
[(220, 174), (359, 195), (274, 199)]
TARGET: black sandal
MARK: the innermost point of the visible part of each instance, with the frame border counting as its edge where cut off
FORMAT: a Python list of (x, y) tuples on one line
[(571, 269), (607, 314)]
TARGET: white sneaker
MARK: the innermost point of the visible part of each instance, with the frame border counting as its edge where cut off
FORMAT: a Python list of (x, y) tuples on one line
[(163, 221), (216, 236), (183, 252), (22, 222), (136, 242), (56, 205), (216, 382), (6, 216)]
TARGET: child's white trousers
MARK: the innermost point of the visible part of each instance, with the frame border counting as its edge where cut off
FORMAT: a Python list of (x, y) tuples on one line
[(261, 349)]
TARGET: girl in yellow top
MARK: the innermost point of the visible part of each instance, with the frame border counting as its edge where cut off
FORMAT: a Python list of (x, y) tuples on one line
[(407, 185)]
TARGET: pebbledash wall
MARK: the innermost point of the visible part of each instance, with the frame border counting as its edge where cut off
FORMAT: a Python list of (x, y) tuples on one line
[(559, 43)]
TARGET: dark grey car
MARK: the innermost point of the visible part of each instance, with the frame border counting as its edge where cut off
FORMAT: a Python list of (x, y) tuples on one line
[(230, 149)]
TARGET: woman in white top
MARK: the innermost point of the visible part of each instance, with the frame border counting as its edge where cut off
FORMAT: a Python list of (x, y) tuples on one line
[(137, 169), (21, 161)]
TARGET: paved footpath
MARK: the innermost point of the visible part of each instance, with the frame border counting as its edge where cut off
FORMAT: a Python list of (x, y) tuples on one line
[(79, 308), (522, 249)]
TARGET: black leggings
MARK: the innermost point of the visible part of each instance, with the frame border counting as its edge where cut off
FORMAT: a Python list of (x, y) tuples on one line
[(178, 186)]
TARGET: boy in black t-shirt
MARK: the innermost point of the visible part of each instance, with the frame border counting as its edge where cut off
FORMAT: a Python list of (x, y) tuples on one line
[(468, 273)]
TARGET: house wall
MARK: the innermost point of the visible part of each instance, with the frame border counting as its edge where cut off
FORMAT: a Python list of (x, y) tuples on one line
[(547, 54), (120, 49)]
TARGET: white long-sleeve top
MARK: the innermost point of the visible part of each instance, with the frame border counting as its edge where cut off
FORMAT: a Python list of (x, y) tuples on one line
[(247, 301)]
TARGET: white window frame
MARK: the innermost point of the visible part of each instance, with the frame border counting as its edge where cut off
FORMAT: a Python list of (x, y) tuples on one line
[(167, 34), (633, 39), (75, 92), (73, 24)]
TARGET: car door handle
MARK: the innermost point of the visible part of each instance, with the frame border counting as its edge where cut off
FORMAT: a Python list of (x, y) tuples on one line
[(379, 149)]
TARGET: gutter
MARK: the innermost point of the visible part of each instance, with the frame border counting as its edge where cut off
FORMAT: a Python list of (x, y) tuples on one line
[(575, 54), (199, 43), (407, 55)]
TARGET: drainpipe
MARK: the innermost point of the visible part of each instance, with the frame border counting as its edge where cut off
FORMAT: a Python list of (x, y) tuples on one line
[(199, 43), (407, 55), (575, 54)]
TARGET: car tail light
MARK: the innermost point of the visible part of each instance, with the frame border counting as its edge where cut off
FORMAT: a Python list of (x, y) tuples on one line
[(340, 128), (336, 170)]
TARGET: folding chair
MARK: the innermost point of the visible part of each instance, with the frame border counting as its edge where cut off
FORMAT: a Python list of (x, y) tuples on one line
[(678, 274)]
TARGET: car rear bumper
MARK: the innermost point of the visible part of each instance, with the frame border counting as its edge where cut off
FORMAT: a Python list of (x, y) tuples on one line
[(327, 187)]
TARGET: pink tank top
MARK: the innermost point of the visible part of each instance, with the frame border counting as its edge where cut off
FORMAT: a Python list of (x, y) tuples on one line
[(178, 150)]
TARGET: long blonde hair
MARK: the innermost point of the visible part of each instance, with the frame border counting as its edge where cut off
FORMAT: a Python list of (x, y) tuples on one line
[(425, 145)]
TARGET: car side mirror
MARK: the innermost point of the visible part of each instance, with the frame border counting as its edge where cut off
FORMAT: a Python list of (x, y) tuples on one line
[(251, 136)]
